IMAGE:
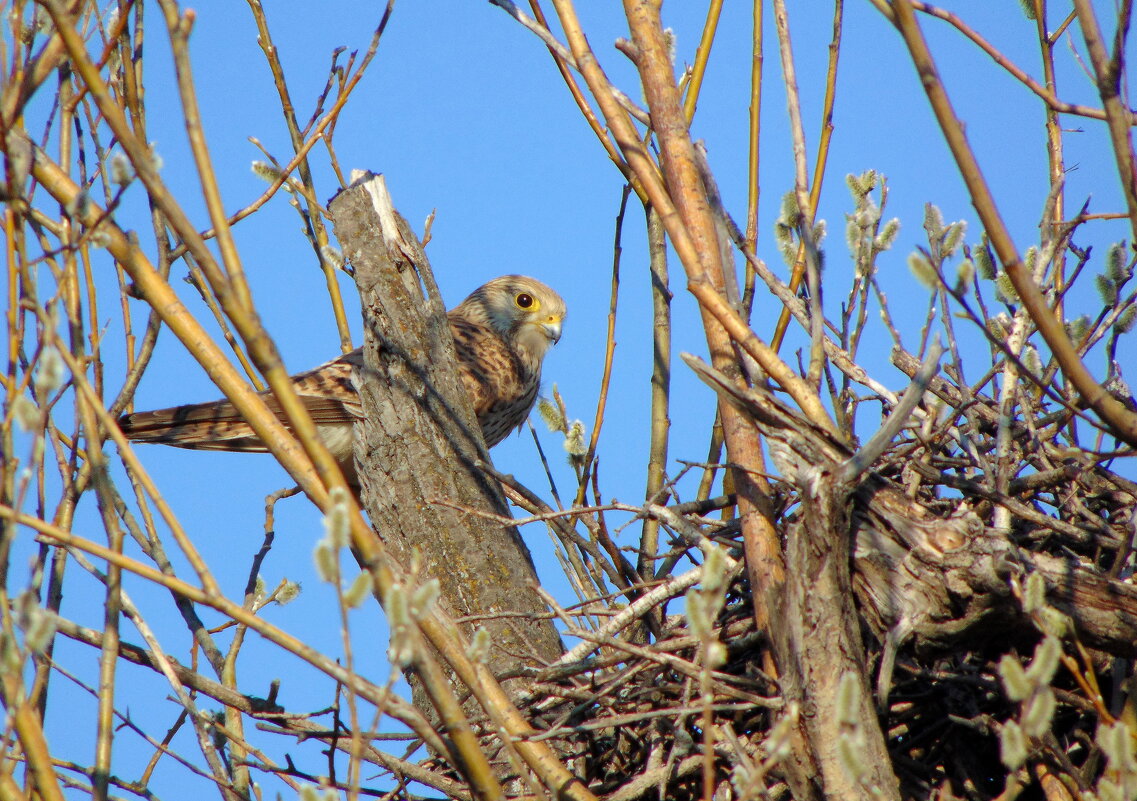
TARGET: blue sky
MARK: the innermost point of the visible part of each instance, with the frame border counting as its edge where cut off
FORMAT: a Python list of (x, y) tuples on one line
[(465, 114)]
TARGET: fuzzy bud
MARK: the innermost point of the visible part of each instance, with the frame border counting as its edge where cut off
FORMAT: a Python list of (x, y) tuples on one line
[(953, 237), (25, 412), (1053, 622), (698, 616), (1039, 712), (265, 171), (479, 648), (79, 206), (396, 603), (1014, 678), (551, 414), (984, 261), (289, 591), (574, 439), (1045, 662), (39, 627), (424, 597), (848, 699), (714, 569), (1115, 262), (716, 655), (1005, 289), (401, 649), (1012, 745), (933, 221), (49, 371), (923, 271), (1116, 742), (99, 238), (1126, 320), (122, 171), (156, 161), (1107, 289), (887, 235), (779, 745), (332, 256), (359, 590), (851, 755), (964, 274), (1109, 790), (327, 561), (337, 521)]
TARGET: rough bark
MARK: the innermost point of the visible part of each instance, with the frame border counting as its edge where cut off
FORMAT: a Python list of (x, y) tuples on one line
[(945, 583), (819, 643), (420, 443)]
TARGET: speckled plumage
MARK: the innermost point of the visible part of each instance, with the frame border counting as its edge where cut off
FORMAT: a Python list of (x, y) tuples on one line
[(501, 333)]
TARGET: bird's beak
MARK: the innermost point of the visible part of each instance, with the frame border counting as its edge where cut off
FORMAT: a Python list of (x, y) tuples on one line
[(552, 329)]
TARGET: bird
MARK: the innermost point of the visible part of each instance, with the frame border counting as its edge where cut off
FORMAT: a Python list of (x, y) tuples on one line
[(502, 332)]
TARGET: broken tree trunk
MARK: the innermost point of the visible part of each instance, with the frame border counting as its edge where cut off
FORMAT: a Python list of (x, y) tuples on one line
[(419, 444), (838, 746)]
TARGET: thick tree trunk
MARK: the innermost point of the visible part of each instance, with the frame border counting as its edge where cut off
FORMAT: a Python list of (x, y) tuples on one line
[(818, 645), (418, 446)]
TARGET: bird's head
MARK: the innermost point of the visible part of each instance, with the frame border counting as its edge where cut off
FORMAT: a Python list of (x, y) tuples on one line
[(522, 310)]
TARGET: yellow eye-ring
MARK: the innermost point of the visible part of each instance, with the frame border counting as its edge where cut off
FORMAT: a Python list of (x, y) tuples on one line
[(525, 301)]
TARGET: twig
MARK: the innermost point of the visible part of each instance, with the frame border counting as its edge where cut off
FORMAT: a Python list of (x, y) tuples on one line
[(864, 458)]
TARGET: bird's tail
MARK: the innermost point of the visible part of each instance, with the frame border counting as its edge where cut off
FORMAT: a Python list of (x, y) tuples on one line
[(204, 426)]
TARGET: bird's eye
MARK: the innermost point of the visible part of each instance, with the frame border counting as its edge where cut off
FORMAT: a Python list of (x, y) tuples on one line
[(524, 300)]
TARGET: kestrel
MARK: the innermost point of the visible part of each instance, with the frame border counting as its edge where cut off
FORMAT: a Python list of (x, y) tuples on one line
[(501, 333)]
